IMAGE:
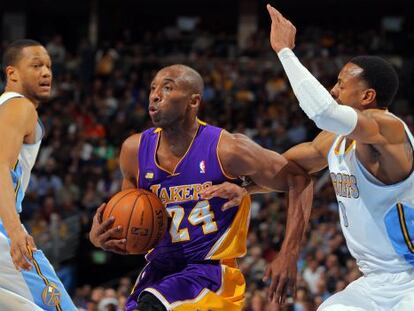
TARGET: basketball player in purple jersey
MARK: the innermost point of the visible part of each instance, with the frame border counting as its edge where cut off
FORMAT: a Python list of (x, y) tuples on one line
[(194, 265)]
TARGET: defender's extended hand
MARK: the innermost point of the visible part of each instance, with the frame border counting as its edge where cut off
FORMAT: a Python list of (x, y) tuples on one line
[(226, 190), (282, 34)]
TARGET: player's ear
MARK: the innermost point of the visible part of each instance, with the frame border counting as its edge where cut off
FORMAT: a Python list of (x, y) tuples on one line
[(369, 96), (195, 100), (12, 73)]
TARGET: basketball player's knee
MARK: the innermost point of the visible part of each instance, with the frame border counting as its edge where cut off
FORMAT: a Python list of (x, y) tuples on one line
[(148, 302)]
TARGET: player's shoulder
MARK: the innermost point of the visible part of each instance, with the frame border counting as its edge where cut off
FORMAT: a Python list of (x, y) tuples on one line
[(232, 142), (383, 117), (19, 105), (389, 125), (131, 144), (236, 147)]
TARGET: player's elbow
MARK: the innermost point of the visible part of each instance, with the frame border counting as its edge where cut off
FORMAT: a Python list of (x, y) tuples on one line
[(297, 177)]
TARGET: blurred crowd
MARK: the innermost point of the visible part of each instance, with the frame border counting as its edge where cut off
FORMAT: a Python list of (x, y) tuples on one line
[(100, 97)]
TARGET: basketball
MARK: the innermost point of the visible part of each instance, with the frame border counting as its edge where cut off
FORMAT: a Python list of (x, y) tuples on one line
[(142, 216)]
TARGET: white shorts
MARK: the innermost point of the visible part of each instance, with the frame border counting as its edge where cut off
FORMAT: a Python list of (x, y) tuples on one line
[(40, 286), (375, 292)]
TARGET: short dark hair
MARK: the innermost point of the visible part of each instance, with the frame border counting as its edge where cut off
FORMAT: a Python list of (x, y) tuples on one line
[(380, 75), (12, 53)]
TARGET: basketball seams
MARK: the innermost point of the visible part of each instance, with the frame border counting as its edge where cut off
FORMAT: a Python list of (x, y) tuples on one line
[(123, 196), (134, 217), (153, 223), (130, 218)]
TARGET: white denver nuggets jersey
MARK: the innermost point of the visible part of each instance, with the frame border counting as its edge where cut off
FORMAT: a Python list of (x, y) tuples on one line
[(27, 157), (377, 220)]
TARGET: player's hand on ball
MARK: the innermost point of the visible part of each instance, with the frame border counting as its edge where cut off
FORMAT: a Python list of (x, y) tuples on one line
[(282, 273), (226, 190), (21, 249), (282, 34), (101, 234)]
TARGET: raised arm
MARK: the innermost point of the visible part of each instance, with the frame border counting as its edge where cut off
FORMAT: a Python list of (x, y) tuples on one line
[(18, 119), (364, 126)]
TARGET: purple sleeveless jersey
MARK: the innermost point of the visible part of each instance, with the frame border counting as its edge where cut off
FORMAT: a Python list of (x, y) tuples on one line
[(196, 226), (200, 235)]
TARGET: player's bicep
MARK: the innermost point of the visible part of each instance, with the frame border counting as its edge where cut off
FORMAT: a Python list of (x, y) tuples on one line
[(312, 156), (128, 161)]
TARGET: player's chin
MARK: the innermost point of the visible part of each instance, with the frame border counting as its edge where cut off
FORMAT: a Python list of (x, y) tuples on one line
[(43, 96), (157, 121)]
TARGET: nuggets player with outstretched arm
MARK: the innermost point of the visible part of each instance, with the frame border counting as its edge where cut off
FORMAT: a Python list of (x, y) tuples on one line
[(369, 152), (27, 279), (194, 266)]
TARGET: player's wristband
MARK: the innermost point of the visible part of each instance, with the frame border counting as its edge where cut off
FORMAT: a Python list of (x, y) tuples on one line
[(315, 100)]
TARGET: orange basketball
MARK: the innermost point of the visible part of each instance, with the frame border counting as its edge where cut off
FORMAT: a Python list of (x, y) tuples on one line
[(142, 216)]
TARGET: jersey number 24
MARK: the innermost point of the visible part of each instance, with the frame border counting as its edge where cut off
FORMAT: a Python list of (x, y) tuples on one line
[(201, 214)]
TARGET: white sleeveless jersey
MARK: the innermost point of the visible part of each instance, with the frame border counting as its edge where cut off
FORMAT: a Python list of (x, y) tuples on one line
[(377, 220), (26, 159)]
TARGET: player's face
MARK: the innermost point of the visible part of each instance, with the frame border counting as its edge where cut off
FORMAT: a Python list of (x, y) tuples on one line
[(169, 98), (34, 74), (349, 88)]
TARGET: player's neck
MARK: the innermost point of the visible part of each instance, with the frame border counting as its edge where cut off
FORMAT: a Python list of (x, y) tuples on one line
[(18, 89), (179, 137)]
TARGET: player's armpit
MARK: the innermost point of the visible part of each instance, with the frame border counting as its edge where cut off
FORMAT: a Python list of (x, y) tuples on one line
[(128, 161), (376, 127)]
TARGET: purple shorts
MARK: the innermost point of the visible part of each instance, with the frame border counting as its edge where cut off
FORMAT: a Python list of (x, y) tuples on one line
[(203, 286)]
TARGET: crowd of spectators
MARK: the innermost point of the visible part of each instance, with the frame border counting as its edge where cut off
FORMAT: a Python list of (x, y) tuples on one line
[(100, 97)]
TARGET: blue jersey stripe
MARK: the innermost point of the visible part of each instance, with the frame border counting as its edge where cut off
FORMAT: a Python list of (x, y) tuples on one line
[(399, 222)]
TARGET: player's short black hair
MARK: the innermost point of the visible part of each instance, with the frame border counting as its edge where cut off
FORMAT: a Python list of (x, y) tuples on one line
[(13, 51), (380, 75)]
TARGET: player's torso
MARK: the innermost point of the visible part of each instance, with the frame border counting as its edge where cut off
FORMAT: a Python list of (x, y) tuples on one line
[(26, 159), (198, 229), (377, 220)]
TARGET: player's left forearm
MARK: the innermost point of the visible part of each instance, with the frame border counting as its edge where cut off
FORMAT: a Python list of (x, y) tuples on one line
[(299, 209)]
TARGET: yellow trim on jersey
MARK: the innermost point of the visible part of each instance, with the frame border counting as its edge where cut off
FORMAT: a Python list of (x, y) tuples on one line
[(351, 145), (139, 146), (157, 130), (339, 144), (404, 229), (219, 161), (16, 190), (201, 122), (17, 187), (173, 173), (232, 243), (15, 165)]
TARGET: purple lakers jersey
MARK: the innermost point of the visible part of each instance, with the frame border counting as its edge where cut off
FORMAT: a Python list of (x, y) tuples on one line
[(198, 229)]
